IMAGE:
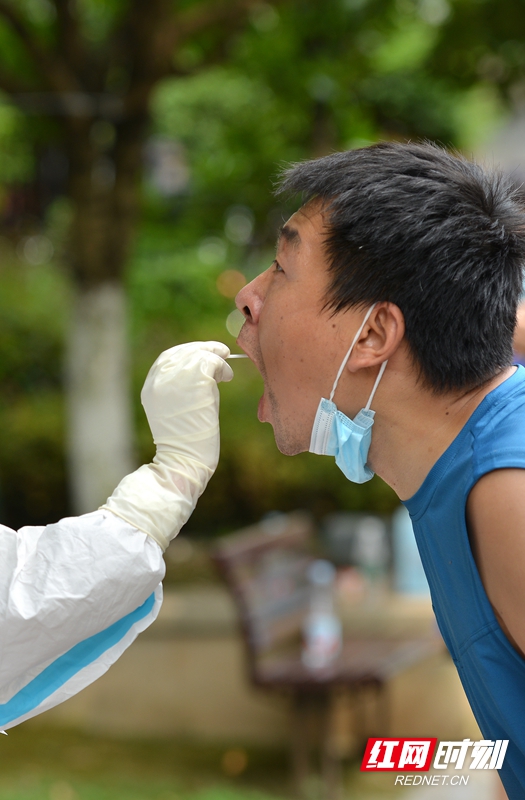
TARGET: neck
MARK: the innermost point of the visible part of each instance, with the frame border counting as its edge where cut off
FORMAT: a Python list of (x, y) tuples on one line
[(414, 427)]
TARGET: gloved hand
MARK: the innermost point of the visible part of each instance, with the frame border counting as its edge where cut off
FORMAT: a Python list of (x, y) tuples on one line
[(181, 401)]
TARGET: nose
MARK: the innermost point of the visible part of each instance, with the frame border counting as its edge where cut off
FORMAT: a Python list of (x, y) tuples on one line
[(250, 299)]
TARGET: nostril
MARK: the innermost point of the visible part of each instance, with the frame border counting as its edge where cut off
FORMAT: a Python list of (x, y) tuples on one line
[(247, 313)]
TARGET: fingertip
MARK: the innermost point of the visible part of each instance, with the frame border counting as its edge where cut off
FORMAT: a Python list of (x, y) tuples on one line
[(221, 370), (219, 348), (227, 373)]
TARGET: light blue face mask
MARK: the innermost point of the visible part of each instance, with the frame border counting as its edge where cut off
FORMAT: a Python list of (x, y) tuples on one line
[(334, 434)]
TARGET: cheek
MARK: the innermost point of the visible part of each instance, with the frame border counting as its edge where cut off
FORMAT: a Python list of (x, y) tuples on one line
[(272, 328), (288, 364), (292, 345), (279, 338)]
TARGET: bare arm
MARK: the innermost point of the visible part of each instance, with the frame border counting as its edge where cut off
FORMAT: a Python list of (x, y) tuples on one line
[(496, 523), (519, 333)]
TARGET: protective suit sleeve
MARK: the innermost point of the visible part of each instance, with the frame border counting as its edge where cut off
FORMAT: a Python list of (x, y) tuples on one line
[(73, 596)]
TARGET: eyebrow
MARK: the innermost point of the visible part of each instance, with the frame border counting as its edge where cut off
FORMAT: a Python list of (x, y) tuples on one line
[(290, 235)]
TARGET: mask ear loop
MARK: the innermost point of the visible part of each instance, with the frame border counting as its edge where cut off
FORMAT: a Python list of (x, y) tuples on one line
[(376, 384), (349, 353)]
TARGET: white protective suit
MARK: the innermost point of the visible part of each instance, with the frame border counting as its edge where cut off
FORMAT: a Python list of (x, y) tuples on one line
[(74, 595)]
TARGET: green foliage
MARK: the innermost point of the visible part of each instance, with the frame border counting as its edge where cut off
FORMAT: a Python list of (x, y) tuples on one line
[(483, 41), (479, 116), (407, 48), (99, 17), (16, 152), (32, 308), (33, 480), (302, 79), (33, 305), (235, 131), (329, 60)]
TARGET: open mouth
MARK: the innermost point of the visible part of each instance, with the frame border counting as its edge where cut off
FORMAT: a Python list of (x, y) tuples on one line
[(262, 402)]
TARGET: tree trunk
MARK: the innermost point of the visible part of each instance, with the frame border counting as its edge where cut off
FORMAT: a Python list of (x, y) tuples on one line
[(103, 189), (98, 398)]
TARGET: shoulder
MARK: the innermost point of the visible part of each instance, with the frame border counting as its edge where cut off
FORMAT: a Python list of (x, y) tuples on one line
[(498, 431), (496, 526)]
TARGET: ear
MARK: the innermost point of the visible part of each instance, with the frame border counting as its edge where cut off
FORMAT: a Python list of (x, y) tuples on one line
[(380, 338)]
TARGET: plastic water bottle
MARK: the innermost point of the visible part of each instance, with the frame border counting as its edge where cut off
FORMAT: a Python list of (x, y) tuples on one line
[(322, 628), (409, 576), (371, 554)]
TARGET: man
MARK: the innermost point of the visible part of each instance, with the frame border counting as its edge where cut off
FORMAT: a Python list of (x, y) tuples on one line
[(392, 303), (74, 595)]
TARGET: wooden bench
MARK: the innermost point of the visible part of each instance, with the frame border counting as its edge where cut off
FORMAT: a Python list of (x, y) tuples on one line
[(265, 568)]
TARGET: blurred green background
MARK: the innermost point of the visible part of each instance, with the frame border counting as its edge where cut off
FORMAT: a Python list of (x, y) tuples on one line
[(139, 145), (250, 88)]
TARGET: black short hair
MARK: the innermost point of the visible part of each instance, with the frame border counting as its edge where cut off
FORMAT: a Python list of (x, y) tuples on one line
[(439, 236)]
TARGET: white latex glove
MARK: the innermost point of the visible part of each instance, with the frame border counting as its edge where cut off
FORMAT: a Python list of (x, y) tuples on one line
[(181, 401)]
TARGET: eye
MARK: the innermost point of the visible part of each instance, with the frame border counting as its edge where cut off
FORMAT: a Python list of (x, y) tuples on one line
[(277, 266)]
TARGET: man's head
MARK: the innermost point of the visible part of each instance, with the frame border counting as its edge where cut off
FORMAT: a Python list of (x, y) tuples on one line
[(410, 225)]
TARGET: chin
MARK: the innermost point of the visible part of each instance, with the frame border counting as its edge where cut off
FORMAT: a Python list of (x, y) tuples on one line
[(287, 444)]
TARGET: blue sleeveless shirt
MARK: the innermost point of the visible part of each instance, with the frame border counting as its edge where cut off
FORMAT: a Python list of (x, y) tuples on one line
[(491, 671)]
